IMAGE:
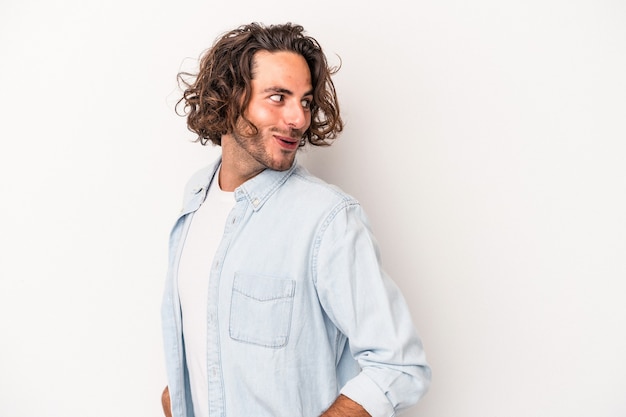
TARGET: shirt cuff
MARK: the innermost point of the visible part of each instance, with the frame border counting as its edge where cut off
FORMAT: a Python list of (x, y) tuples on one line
[(362, 390)]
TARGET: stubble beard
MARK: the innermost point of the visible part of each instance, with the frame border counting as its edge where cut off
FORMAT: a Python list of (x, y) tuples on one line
[(253, 145)]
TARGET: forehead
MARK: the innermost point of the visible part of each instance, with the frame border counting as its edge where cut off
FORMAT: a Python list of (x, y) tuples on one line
[(281, 69)]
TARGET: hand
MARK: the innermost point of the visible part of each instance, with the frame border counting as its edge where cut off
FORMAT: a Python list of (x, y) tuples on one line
[(345, 407), (165, 401)]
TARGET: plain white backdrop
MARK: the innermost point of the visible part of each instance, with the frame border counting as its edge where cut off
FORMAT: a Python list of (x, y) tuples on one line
[(485, 139)]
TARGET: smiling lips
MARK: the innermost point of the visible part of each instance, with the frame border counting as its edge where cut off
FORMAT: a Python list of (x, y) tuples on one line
[(287, 142)]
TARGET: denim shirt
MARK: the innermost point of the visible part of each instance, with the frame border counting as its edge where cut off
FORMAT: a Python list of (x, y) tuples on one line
[(299, 309)]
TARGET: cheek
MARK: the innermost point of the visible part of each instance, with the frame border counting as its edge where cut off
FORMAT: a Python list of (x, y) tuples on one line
[(261, 115)]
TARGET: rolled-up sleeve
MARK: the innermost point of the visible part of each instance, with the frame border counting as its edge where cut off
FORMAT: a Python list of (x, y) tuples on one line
[(368, 308)]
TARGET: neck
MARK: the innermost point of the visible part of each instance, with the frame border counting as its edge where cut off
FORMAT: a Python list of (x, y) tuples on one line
[(234, 170), (229, 179)]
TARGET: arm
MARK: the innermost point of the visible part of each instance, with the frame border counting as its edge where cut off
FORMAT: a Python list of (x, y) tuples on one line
[(165, 402), (369, 310), (345, 407)]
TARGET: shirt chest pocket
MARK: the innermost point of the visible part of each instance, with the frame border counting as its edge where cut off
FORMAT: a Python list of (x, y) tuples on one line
[(261, 309)]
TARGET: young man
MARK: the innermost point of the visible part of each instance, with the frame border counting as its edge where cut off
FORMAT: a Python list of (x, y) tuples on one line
[(275, 303)]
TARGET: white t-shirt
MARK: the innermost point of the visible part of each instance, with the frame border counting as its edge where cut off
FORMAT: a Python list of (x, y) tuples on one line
[(203, 238)]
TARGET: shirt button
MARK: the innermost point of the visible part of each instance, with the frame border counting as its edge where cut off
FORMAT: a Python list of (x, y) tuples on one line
[(255, 202)]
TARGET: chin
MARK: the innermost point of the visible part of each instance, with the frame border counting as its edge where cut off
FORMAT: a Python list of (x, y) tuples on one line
[(282, 165)]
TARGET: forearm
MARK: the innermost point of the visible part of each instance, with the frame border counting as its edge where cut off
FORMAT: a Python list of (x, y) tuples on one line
[(345, 407), (165, 402)]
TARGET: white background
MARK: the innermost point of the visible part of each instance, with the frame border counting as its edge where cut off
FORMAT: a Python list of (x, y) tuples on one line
[(485, 140)]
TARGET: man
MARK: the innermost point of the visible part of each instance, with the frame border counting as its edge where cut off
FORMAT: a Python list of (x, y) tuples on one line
[(275, 302)]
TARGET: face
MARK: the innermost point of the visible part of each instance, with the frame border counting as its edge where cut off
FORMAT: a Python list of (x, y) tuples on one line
[(280, 109)]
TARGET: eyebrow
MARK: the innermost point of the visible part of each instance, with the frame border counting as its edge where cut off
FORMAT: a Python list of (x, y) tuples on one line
[(284, 91)]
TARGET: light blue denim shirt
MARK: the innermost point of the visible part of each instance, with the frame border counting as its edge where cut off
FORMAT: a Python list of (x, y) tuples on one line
[(299, 309)]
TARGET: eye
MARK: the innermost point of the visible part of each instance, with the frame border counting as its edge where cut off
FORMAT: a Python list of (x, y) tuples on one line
[(277, 98), (306, 103)]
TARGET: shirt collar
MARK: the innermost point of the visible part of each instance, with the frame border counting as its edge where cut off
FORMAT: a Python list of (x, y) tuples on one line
[(259, 188), (256, 190)]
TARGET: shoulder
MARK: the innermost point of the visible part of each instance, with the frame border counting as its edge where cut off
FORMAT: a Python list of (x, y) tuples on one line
[(203, 175), (311, 183), (200, 180), (311, 187)]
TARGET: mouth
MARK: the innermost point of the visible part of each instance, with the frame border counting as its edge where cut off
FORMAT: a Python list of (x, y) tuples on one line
[(287, 142)]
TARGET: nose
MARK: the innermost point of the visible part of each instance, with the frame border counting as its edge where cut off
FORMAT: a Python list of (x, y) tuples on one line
[(296, 116)]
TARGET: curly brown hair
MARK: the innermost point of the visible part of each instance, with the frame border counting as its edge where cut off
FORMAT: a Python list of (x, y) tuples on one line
[(217, 96)]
